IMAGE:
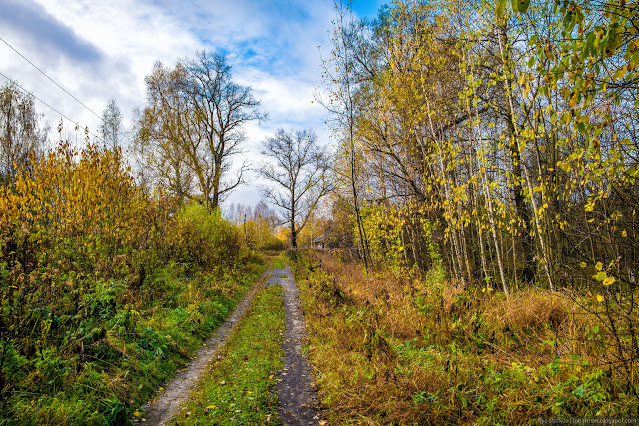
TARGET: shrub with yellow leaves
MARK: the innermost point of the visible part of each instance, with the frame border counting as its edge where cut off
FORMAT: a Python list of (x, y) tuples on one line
[(83, 250)]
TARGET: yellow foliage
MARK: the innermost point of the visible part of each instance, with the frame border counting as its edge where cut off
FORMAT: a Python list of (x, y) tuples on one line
[(63, 198), (71, 218)]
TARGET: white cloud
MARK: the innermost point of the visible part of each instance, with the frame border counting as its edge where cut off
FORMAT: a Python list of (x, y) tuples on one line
[(272, 46), (287, 100)]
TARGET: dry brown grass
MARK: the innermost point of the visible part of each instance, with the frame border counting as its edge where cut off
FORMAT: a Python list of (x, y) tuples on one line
[(533, 308), (378, 291), (390, 349), (449, 296)]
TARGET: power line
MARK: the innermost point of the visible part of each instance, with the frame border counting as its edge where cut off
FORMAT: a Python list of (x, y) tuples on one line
[(52, 80), (46, 104), (57, 84)]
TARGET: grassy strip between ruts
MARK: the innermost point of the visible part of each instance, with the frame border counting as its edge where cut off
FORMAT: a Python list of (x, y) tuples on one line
[(240, 388), (278, 264)]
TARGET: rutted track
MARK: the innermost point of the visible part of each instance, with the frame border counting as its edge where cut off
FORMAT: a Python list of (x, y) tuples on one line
[(166, 405), (298, 400)]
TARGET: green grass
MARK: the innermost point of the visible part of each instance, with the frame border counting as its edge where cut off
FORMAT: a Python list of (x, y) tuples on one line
[(129, 351), (278, 264), (240, 388)]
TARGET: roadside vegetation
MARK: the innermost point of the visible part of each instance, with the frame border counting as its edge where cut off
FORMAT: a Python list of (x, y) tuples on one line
[(394, 349), (478, 221), (105, 290), (241, 384), (484, 214)]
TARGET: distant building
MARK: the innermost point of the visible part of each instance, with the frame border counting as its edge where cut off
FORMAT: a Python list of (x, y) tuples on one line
[(318, 243)]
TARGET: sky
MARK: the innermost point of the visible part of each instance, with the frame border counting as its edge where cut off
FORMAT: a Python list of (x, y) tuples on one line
[(100, 50)]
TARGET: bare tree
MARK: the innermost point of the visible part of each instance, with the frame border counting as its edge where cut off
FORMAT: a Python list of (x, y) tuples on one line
[(263, 212), (20, 133), (239, 213), (300, 174), (219, 108)]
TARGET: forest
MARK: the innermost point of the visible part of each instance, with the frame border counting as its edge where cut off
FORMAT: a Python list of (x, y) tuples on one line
[(466, 252), (494, 144)]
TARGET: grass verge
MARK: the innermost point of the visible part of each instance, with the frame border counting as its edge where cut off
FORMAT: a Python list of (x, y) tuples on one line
[(390, 349), (278, 264), (240, 388), (131, 346)]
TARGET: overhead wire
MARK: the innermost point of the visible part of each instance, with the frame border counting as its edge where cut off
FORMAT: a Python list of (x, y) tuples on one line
[(57, 84), (46, 104), (52, 80)]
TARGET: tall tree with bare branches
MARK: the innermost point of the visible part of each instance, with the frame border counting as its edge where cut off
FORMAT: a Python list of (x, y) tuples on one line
[(196, 113), (299, 171)]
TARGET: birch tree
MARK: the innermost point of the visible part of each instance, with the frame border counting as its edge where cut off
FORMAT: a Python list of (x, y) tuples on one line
[(111, 126), (20, 131)]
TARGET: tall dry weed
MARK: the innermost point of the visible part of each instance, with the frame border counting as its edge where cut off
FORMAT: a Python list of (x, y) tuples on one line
[(390, 349)]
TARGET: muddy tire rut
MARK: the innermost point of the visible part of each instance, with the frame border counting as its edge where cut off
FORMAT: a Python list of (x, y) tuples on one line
[(298, 399), (298, 403), (166, 405)]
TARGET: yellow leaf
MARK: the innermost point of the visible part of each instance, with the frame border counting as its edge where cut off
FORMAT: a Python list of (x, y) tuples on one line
[(600, 298), (624, 233), (609, 281), (600, 276), (209, 407), (598, 266), (582, 264)]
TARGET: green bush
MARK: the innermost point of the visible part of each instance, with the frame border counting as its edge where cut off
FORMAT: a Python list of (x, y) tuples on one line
[(201, 237), (274, 243), (104, 291)]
